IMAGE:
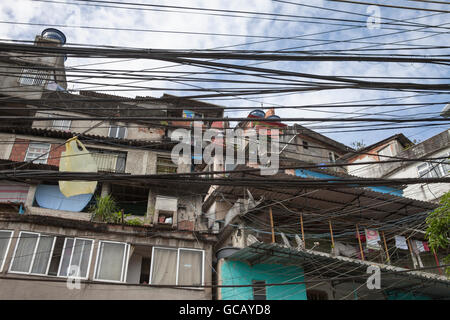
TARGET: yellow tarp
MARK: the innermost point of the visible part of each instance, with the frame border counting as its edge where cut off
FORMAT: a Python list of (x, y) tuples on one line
[(75, 159)]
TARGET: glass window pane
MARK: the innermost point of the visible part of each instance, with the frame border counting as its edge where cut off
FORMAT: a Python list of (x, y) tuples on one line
[(42, 257), (110, 261), (164, 269), (190, 267), (5, 237), (24, 252), (56, 257), (80, 257), (66, 257)]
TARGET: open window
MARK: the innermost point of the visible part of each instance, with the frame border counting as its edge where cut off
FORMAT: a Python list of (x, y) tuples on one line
[(259, 290), (42, 254), (164, 165), (116, 131), (166, 210)]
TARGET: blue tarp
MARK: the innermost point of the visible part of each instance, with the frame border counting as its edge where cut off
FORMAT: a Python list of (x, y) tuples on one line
[(49, 196)]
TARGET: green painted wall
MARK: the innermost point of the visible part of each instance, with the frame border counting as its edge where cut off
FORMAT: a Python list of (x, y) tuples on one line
[(240, 273)]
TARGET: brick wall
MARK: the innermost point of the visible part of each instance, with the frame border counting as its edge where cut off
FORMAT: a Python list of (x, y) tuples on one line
[(19, 150), (55, 154)]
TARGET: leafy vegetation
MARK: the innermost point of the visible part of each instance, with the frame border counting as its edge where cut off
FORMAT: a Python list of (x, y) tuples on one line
[(438, 228), (106, 210)]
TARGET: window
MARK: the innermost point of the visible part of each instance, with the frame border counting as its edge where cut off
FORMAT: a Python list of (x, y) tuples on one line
[(432, 170), (38, 150), (305, 144), (75, 257), (259, 290), (32, 253), (116, 131), (49, 255), (61, 125), (109, 161), (165, 165), (5, 240), (112, 261), (316, 295), (165, 209), (177, 266), (33, 77), (332, 157)]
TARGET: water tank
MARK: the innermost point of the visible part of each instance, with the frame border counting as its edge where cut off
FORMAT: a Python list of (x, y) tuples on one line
[(257, 113), (55, 34)]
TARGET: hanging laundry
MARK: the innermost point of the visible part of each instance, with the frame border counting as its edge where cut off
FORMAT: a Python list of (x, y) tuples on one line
[(400, 242), (372, 238), (421, 246)]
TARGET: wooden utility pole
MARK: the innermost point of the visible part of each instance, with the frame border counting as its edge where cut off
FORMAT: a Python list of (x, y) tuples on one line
[(303, 233), (271, 224), (386, 248), (331, 233), (360, 245)]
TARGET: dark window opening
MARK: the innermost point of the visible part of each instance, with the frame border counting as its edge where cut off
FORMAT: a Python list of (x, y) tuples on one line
[(305, 144), (259, 290), (145, 270), (316, 295)]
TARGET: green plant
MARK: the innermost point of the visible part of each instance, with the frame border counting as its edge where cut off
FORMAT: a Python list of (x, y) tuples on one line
[(135, 222), (438, 227), (104, 208)]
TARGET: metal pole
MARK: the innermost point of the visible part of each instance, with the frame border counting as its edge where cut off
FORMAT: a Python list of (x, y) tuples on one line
[(271, 224)]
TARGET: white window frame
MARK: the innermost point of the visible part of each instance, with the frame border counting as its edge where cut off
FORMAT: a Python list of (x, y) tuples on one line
[(34, 254), (125, 262), (33, 77), (42, 158), (7, 248), (178, 264), (438, 168), (63, 126), (117, 126), (71, 256)]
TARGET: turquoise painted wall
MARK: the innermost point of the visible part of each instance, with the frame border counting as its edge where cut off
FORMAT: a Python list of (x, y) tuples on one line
[(240, 273), (397, 295), (312, 174)]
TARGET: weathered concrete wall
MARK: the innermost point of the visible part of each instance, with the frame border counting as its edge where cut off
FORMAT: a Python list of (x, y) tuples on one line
[(43, 289)]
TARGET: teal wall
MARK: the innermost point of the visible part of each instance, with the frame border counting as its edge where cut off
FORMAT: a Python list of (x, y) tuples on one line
[(240, 273), (312, 174), (397, 295)]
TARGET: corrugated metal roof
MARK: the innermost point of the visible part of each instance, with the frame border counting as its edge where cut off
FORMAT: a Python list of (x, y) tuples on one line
[(272, 253)]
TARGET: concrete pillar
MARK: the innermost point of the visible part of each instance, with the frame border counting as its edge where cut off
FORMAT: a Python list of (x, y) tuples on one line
[(150, 216), (106, 189)]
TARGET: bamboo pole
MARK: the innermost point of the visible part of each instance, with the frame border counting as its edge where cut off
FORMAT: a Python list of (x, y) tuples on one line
[(360, 245), (271, 224), (386, 248), (303, 233), (331, 233), (412, 255)]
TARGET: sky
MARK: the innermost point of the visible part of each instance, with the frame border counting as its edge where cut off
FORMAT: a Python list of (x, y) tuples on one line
[(280, 25)]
